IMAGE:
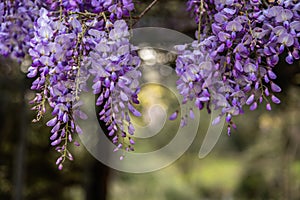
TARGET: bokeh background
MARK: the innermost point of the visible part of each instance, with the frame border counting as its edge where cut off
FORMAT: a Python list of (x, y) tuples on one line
[(260, 160)]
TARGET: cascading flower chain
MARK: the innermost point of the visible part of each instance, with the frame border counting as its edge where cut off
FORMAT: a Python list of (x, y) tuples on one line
[(230, 64)]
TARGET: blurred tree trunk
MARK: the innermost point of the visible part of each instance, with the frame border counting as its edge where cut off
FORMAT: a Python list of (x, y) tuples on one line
[(96, 175), (20, 154)]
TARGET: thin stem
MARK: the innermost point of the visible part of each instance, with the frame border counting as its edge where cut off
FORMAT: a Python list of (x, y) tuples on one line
[(130, 25), (85, 14), (60, 11), (78, 59), (64, 153), (200, 20), (104, 16), (149, 7)]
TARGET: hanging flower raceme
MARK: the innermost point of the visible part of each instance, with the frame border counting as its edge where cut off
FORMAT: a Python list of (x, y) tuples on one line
[(63, 48), (55, 67), (115, 81), (248, 37)]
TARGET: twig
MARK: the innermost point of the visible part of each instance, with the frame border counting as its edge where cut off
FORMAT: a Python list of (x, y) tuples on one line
[(200, 20), (145, 11), (148, 8)]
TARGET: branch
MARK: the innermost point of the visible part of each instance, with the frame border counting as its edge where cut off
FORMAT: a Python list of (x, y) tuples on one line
[(149, 7)]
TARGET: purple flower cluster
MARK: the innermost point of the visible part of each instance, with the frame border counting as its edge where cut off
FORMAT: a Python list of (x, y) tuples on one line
[(115, 9), (230, 66), (17, 19), (115, 81), (55, 67), (67, 41), (245, 41), (198, 75), (16, 29), (64, 38)]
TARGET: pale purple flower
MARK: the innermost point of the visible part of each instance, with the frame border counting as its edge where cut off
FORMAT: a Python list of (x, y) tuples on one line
[(174, 116), (275, 99), (275, 87)]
